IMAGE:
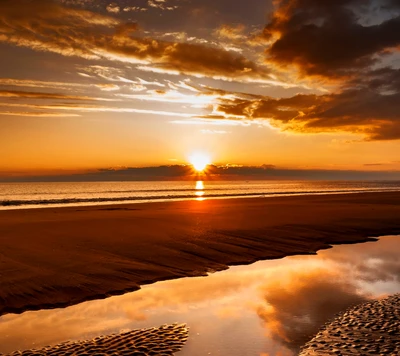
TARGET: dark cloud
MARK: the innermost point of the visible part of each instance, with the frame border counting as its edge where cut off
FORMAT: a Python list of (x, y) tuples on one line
[(227, 172), (54, 28), (185, 57), (91, 35), (195, 16), (368, 106), (327, 38)]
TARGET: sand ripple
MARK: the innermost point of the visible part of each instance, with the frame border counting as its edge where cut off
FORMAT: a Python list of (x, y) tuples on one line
[(371, 328), (162, 341)]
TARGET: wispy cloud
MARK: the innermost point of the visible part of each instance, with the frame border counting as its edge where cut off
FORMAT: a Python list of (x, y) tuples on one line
[(94, 108), (39, 83), (40, 95), (214, 132), (37, 114), (107, 87), (78, 32)]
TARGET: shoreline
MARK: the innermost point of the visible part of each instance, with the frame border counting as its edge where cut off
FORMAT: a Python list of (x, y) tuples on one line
[(55, 257), (49, 204)]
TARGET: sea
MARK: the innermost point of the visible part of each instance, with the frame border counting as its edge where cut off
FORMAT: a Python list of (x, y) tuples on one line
[(57, 194)]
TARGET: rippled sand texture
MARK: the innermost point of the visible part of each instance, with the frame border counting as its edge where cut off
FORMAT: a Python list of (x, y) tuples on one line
[(53, 255), (371, 328), (162, 341)]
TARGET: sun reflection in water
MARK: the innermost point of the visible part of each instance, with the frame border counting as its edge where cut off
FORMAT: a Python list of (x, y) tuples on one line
[(200, 190)]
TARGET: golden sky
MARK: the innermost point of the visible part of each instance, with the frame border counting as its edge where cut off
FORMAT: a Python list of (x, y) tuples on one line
[(300, 84)]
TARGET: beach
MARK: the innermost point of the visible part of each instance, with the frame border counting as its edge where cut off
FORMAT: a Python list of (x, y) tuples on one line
[(370, 328), (164, 340), (62, 256)]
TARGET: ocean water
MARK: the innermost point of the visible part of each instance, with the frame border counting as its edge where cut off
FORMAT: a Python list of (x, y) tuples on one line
[(34, 195)]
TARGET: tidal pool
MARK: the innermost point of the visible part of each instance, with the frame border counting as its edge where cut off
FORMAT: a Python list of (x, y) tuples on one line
[(268, 308)]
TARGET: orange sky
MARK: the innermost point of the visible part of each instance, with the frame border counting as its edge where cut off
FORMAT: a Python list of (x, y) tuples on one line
[(95, 84)]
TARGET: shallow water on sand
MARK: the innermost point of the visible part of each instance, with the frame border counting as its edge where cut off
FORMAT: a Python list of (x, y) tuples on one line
[(267, 308)]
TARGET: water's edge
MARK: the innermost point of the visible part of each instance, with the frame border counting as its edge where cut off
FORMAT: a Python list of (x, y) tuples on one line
[(197, 273)]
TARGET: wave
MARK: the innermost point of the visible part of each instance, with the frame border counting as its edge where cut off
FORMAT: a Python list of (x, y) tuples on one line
[(208, 188), (71, 201), (164, 190)]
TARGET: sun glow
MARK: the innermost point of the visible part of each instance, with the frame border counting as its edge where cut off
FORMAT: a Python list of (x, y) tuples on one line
[(199, 189), (199, 161)]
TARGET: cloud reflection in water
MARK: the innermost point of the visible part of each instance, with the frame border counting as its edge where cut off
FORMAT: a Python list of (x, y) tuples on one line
[(268, 308)]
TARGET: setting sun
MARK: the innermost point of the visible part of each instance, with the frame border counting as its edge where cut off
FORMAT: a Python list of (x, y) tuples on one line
[(199, 161)]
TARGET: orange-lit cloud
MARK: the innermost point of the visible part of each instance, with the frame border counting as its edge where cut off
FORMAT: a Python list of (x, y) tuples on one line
[(108, 87), (37, 114), (272, 71), (73, 107), (39, 83), (161, 4), (55, 28), (370, 108), (231, 32), (78, 32), (113, 8), (39, 95)]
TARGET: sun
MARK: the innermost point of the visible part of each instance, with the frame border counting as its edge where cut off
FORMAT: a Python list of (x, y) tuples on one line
[(199, 161)]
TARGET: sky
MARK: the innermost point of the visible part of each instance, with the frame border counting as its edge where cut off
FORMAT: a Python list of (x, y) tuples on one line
[(88, 85)]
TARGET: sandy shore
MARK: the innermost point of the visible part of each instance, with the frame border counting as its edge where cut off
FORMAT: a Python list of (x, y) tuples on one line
[(371, 328), (165, 340), (62, 256)]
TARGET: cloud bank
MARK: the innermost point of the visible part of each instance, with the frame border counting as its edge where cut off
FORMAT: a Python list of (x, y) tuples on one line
[(186, 172)]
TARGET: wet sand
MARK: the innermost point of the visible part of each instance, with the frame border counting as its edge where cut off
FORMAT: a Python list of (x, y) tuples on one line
[(165, 340), (62, 256), (371, 328)]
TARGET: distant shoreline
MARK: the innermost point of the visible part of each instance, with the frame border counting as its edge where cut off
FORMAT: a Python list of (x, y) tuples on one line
[(55, 257), (17, 205)]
